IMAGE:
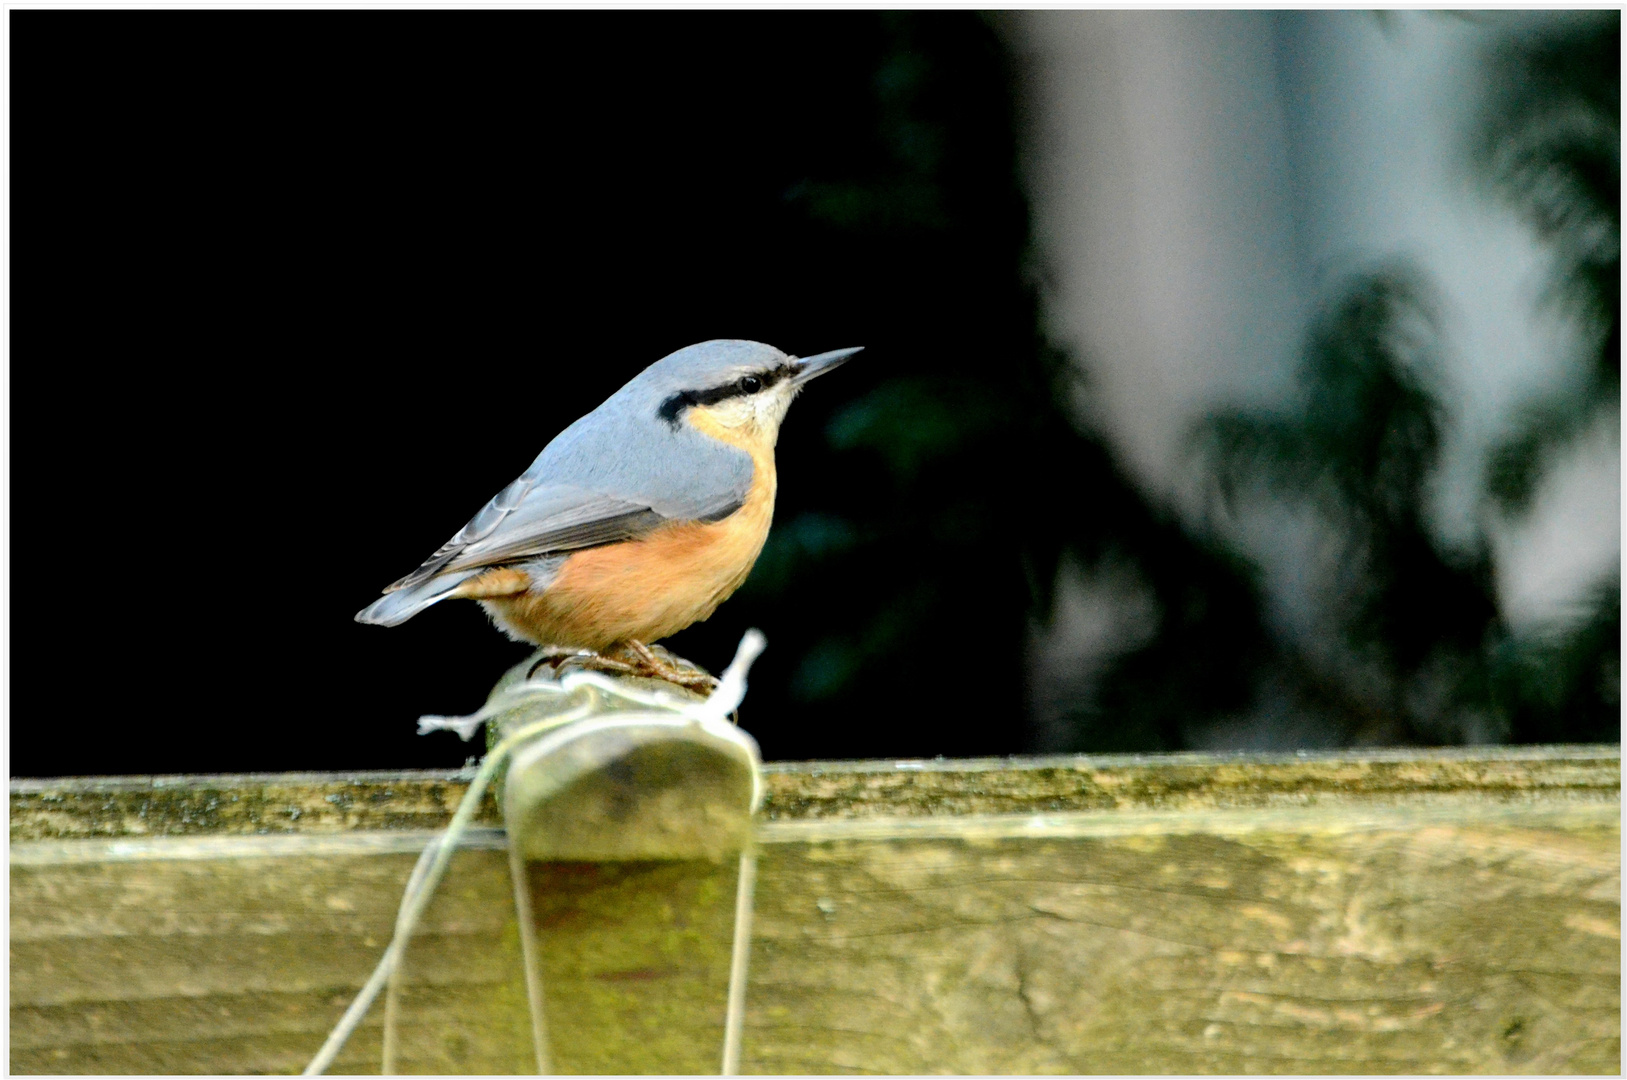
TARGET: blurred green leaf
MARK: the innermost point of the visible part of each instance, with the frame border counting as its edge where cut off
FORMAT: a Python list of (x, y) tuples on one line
[(1563, 684), (894, 205), (1368, 432), (1515, 466), (796, 545), (912, 422), (1361, 447), (1549, 140), (826, 670)]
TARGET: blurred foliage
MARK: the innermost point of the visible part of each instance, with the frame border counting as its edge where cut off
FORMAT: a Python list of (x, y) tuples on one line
[(960, 486), (1413, 621), (1564, 684), (1204, 663), (1423, 654), (1549, 140), (1370, 430)]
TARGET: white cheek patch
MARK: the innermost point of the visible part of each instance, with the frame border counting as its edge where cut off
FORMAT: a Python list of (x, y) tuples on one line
[(736, 412), (772, 406)]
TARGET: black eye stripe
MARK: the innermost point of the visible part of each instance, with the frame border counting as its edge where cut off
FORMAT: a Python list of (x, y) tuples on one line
[(674, 406)]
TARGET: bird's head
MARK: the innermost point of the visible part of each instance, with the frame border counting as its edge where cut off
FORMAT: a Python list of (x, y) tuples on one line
[(739, 390)]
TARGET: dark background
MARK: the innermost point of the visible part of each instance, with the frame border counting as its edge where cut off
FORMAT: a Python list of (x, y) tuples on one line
[(296, 295), (293, 295)]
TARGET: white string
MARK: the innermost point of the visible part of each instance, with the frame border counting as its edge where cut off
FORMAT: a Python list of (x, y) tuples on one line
[(413, 902), (531, 957), (432, 864), (392, 992), (734, 1018)]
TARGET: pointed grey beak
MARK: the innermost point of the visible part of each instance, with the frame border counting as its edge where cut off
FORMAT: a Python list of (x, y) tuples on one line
[(812, 367)]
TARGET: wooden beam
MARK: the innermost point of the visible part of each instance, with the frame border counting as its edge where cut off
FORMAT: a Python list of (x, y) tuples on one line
[(1396, 911), (300, 803)]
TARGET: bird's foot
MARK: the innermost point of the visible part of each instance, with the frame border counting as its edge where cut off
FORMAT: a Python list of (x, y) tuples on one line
[(553, 657), (669, 668), (640, 661), (632, 658)]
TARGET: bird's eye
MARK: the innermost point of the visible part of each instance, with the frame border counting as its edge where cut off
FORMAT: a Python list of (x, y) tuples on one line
[(751, 384)]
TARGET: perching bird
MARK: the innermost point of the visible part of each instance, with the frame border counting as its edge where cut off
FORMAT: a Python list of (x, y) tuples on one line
[(634, 522)]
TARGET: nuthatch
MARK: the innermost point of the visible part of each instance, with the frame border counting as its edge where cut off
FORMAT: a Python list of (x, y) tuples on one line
[(634, 522)]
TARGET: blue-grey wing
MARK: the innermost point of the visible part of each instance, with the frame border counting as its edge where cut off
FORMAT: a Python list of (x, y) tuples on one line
[(586, 489), (562, 518)]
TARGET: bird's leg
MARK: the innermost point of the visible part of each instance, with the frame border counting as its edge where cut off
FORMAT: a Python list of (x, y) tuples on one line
[(551, 661), (599, 662), (635, 658), (554, 657), (652, 666)]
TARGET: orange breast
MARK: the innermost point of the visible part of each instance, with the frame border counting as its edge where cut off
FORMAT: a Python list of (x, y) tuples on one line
[(649, 588)]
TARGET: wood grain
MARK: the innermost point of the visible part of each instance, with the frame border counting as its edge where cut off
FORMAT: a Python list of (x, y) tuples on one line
[(1391, 912), (243, 962), (1205, 946)]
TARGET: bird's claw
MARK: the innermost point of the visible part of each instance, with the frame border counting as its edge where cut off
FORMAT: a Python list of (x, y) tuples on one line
[(680, 673), (636, 659)]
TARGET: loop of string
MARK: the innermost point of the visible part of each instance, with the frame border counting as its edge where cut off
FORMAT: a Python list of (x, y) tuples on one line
[(437, 855)]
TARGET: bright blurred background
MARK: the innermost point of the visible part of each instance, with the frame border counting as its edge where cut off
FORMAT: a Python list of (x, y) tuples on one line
[(1233, 380), (1342, 290)]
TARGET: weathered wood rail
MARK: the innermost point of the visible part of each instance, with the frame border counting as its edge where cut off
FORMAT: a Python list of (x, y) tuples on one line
[(1395, 911)]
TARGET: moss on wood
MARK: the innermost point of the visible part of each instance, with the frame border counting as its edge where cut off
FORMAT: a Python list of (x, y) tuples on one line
[(342, 802)]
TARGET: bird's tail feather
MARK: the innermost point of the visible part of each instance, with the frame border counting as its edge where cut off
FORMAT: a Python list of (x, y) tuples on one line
[(393, 609)]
